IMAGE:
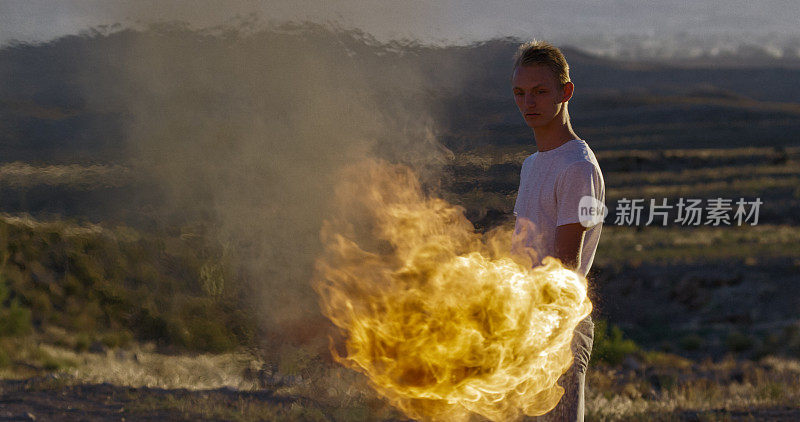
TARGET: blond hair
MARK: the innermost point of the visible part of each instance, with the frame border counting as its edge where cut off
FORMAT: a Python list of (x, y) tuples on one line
[(542, 53)]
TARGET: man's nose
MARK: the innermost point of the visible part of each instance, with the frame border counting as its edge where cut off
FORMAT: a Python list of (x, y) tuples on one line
[(529, 100)]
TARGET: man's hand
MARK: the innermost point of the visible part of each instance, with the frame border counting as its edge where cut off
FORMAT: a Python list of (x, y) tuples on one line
[(569, 242)]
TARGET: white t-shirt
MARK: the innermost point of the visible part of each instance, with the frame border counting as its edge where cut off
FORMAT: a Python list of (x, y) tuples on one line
[(552, 184)]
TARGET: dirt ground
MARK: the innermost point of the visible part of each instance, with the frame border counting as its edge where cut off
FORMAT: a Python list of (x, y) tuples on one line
[(47, 400), (52, 399)]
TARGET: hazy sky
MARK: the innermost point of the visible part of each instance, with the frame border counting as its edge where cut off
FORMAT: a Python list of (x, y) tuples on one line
[(427, 20)]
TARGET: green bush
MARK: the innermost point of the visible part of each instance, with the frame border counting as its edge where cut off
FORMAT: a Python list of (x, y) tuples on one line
[(115, 339), (212, 279), (82, 342), (610, 346), (210, 336), (738, 342), (15, 320), (692, 342), (5, 360), (118, 285)]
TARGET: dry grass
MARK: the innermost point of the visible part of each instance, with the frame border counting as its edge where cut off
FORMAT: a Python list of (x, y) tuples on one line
[(748, 187), (229, 386), (660, 386), (746, 244), (19, 174), (655, 390), (141, 367), (691, 175), (656, 386), (137, 366), (516, 154), (60, 226)]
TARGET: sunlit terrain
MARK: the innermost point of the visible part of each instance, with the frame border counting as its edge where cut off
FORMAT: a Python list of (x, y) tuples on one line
[(161, 225)]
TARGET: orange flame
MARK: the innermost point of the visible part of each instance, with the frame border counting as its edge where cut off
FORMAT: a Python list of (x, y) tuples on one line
[(444, 322)]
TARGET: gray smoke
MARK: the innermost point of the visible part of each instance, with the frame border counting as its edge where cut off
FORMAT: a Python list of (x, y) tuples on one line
[(244, 136)]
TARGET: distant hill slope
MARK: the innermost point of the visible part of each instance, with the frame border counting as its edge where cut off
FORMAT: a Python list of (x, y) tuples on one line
[(66, 101)]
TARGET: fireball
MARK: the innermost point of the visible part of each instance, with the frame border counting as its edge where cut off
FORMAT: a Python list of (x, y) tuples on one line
[(446, 323)]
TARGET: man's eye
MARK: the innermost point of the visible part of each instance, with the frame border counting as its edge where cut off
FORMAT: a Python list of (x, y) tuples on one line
[(542, 91), (517, 93)]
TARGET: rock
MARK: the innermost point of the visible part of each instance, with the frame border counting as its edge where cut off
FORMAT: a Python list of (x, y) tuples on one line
[(98, 347), (268, 376)]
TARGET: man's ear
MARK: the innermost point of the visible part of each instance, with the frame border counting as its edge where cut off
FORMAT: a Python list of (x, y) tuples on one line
[(569, 88)]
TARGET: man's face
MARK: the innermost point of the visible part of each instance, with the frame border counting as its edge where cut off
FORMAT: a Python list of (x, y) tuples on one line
[(537, 94)]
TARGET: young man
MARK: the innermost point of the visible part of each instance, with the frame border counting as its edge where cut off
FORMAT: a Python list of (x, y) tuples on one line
[(558, 184)]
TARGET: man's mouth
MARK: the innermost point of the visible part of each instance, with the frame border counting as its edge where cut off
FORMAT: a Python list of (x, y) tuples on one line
[(531, 114)]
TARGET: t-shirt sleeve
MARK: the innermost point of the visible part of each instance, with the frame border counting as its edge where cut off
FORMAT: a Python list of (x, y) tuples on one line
[(522, 173), (580, 179)]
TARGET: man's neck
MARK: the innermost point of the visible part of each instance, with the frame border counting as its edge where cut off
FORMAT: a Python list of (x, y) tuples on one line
[(552, 138), (556, 133)]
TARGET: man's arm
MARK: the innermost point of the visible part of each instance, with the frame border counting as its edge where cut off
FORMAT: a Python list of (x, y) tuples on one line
[(569, 242)]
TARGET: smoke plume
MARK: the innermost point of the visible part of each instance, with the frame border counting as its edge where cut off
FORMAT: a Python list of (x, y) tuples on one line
[(244, 134)]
